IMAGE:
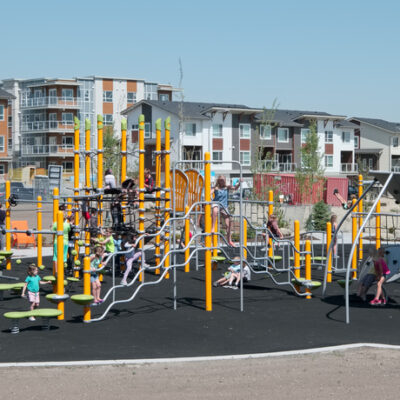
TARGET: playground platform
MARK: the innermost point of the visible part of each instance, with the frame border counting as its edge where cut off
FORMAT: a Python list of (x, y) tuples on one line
[(274, 319)]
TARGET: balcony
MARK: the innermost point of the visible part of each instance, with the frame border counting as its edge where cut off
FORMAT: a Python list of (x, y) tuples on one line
[(52, 102), (41, 150), (348, 168), (274, 166), (396, 168), (47, 126)]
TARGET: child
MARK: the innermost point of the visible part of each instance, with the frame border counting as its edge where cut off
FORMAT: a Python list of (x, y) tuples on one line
[(232, 274), (334, 229), (272, 226), (95, 261), (32, 282), (381, 270), (130, 257)]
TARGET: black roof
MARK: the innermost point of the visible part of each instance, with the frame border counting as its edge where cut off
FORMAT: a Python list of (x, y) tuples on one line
[(380, 123), (5, 95)]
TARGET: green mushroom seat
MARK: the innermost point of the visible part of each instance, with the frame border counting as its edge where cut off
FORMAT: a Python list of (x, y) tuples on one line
[(10, 286), (303, 282), (218, 258), (342, 282), (82, 299), (72, 279), (6, 253), (55, 298), (44, 313), (275, 258), (53, 279)]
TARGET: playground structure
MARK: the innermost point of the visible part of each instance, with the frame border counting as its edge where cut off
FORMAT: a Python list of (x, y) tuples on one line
[(185, 195)]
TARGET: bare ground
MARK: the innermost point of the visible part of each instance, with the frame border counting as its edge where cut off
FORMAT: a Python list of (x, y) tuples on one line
[(365, 373)]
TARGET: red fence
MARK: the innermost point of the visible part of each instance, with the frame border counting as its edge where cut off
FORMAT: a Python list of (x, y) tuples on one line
[(287, 185)]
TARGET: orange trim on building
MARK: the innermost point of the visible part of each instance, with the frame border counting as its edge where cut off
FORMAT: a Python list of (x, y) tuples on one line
[(245, 144), (218, 144), (108, 84), (328, 148)]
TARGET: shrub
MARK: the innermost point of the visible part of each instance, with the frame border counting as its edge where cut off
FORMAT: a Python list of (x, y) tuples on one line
[(319, 216)]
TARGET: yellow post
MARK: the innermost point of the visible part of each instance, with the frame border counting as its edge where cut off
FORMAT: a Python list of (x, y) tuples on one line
[(270, 211), (187, 239), (60, 262), (167, 168), (360, 220), (86, 286), (297, 249), (353, 238), (308, 266), (141, 182), (8, 223), (56, 204), (100, 164), (328, 243), (76, 185), (158, 194), (245, 237), (39, 228), (87, 178), (207, 230), (123, 161), (378, 225)]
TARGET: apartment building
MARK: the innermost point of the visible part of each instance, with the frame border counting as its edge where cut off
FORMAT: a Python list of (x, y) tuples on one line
[(377, 144), (6, 132), (44, 111), (224, 130)]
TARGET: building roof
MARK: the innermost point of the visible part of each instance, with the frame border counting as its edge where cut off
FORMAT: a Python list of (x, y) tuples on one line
[(5, 95), (368, 151), (346, 124), (393, 127), (193, 110)]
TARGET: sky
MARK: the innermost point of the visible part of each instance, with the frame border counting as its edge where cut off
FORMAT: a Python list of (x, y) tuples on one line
[(341, 57)]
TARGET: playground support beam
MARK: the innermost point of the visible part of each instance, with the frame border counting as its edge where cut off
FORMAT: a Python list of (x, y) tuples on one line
[(308, 267), (158, 194), (360, 221), (187, 239), (8, 223), (60, 262), (141, 184), (56, 205), (86, 287), (297, 251), (244, 238), (270, 212), (123, 161), (167, 185), (76, 185), (208, 223), (87, 178), (353, 238), (39, 228), (378, 225), (100, 165), (328, 243)]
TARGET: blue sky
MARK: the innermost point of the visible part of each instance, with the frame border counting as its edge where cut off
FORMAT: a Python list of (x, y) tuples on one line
[(337, 56)]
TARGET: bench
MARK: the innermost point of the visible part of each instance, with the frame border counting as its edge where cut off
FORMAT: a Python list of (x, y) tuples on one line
[(44, 313)]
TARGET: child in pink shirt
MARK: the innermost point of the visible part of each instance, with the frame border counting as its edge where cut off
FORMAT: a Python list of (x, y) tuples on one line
[(381, 270)]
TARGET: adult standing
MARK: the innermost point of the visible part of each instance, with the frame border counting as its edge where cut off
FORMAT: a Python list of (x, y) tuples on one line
[(2, 226)]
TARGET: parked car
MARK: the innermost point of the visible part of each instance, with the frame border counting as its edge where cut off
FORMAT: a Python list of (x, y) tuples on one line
[(17, 188), (247, 194)]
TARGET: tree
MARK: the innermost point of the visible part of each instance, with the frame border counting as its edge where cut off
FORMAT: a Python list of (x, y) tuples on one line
[(112, 151), (311, 169), (319, 216)]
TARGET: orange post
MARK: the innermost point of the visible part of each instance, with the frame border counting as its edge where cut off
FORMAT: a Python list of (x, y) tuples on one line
[(87, 178), (76, 186), (378, 225), (141, 183), (328, 243), (360, 220), (167, 125), (207, 230), (158, 194), (39, 235), (270, 211), (123, 160), (353, 237), (308, 266), (245, 238), (100, 165), (60, 262), (56, 204), (187, 239), (296, 252), (8, 223), (86, 287)]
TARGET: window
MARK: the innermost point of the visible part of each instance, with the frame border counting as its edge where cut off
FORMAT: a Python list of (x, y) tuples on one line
[(395, 141), (217, 155), (370, 163), (131, 97), (245, 158), (67, 94), (147, 130), (10, 143), (67, 118), (244, 130), (265, 132), (2, 169), (68, 166), (1, 113), (108, 119), (1, 144), (9, 122), (53, 96), (328, 161), (328, 136), (283, 135), (346, 137), (304, 134), (217, 130), (364, 163), (87, 96), (163, 97), (107, 96), (67, 141), (190, 130), (356, 142)]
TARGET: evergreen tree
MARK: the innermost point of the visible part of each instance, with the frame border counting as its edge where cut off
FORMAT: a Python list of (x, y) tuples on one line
[(319, 216)]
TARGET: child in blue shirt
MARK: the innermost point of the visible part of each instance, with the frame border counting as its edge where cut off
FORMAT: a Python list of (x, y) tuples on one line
[(32, 283)]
